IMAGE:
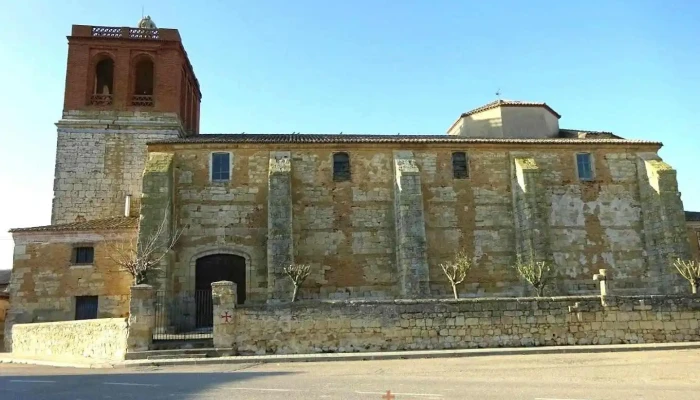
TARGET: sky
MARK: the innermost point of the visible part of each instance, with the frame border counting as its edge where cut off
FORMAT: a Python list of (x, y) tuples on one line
[(368, 66)]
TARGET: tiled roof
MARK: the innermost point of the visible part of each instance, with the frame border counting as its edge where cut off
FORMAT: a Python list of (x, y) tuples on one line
[(5, 276), (693, 216), (96, 224), (510, 103), (581, 134), (342, 138)]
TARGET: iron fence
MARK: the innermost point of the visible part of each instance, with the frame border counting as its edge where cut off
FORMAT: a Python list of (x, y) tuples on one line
[(184, 315)]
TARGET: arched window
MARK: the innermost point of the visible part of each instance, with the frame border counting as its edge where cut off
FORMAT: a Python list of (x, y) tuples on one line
[(460, 166), (341, 167), (143, 83), (103, 87)]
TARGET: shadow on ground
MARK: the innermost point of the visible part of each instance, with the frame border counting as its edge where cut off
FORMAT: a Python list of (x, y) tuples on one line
[(142, 385)]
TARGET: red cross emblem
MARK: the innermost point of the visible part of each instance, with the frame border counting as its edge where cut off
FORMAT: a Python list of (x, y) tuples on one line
[(226, 317)]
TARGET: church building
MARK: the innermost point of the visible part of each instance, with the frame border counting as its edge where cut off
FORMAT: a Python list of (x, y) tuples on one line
[(373, 215)]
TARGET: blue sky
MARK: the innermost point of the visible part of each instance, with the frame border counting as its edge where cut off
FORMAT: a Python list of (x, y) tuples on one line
[(631, 67)]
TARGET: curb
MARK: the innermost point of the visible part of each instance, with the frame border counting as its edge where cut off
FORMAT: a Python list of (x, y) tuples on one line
[(408, 355), (395, 355), (60, 364)]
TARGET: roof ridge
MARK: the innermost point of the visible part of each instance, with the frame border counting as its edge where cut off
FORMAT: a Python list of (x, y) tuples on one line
[(385, 139), (505, 102), (119, 222)]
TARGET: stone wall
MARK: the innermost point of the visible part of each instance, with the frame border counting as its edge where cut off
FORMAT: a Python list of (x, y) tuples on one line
[(350, 232), (44, 281), (365, 325), (4, 307), (694, 239), (100, 158), (100, 339)]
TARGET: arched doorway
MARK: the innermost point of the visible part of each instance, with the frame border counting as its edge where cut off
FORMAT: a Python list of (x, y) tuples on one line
[(214, 268)]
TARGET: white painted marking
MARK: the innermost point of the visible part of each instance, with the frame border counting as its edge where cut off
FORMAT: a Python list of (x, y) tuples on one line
[(405, 394), (265, 390), (547, 398), (129, 384), (30, 381)]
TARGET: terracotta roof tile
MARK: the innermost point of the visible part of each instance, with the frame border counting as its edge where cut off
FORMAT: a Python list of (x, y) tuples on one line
[(5, 276), (581, 134), (510, 103), (341, 138), (96, 224), (693, 216)]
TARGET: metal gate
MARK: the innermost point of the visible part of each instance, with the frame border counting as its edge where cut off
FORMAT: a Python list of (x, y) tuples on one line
[(183, 316)]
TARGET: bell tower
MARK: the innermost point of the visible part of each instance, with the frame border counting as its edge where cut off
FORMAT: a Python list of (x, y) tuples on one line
[(125, 86)]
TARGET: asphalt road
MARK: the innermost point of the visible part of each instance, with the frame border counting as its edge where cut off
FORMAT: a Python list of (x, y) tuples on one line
[(668, 375)]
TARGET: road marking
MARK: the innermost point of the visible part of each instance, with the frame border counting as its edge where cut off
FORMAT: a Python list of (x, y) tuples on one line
[(266, 390), (130, 384), (411, 394), (30, 381), (547, 398)]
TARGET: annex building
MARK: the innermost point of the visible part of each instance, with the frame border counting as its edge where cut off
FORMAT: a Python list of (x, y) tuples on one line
[(373, 215)]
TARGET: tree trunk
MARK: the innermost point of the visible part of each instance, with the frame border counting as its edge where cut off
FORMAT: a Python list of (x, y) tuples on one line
[(454, 291), (694, 287), (540, 291), (294, 294)]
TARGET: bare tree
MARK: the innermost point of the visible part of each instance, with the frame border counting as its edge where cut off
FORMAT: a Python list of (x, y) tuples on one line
[(690, 270), (539, 274), (298, 274), (456, 270), (141, 255)]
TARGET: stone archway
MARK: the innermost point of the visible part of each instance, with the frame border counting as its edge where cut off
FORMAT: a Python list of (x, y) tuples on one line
[(214, 268)]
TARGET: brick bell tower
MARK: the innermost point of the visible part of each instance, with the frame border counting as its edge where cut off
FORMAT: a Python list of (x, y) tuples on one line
[(124, 87)]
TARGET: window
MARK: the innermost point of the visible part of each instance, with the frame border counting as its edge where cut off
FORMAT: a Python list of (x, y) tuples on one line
[(104, 77), (341, 167), (220, 167), (584, 166), (103, 85), (85, 307), (83, 255), (143, 75), (142, 95), (460, 167)]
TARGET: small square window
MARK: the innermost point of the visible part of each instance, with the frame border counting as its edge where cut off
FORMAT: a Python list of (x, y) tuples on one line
[(460, 166), (584, 166), (85, 307), (220, 167), (84, 255)]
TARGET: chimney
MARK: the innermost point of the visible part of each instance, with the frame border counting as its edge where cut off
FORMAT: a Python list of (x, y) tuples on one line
[(127, 206)]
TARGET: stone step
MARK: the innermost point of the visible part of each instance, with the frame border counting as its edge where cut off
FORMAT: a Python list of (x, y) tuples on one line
[(180, 353), (182, 344), (176, 356)]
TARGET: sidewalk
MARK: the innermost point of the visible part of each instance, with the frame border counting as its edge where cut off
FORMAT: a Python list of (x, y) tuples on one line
[(389, 355)]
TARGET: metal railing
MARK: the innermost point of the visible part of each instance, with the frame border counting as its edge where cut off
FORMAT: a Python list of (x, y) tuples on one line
[(184, 315)]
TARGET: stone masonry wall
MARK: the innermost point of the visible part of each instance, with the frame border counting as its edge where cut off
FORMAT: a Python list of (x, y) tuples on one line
[(99, 339), (156, 222), (222, 217), (347, 230), (4, 307), (44, 281), (100, 158), (357, 326), (664, 220), (694, 239)]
